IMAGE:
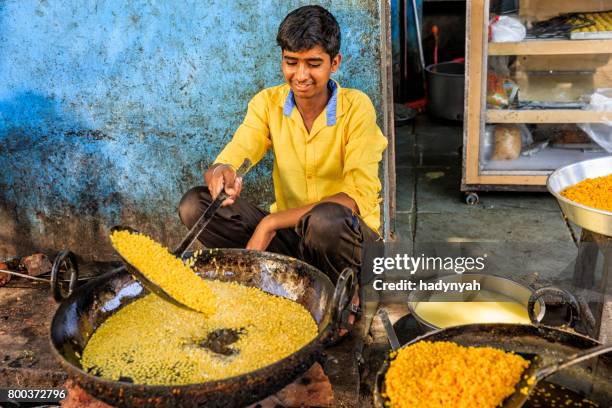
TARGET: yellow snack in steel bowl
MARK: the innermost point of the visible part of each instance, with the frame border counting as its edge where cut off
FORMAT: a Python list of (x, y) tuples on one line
[(165, 270), (592, 192), (444, 374)]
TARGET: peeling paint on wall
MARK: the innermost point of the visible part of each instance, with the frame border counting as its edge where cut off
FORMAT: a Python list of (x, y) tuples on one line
[(110, 110)]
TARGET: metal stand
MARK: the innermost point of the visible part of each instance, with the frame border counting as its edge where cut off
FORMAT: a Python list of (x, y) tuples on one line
[(593, 275)]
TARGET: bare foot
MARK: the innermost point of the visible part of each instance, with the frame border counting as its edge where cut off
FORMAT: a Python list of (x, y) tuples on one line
[(78, 398), (312, 389)]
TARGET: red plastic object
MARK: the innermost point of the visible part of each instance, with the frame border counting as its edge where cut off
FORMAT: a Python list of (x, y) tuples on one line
[(419, 104), (435, 32)]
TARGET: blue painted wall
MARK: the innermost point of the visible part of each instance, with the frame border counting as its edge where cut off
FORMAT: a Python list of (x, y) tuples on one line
[(396, 46), (110, 110)]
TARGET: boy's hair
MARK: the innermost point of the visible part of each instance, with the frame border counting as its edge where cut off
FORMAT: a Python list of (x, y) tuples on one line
[(309, 26)]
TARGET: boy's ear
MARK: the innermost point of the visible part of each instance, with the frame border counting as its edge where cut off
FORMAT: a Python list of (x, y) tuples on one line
[(335, 63)]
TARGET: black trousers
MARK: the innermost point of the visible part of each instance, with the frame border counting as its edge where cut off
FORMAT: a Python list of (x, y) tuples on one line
[(329, 237)]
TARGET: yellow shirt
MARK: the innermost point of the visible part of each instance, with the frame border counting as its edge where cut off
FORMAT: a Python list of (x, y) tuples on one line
[(340, 154)]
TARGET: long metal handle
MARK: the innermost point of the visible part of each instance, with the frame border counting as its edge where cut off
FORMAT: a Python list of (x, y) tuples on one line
[(205, 218), (23, 275), (393, 340), (417, 26), (574, 359)]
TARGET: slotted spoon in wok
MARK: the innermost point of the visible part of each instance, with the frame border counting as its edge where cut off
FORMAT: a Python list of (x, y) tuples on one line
[(536, 372), (185, 244)]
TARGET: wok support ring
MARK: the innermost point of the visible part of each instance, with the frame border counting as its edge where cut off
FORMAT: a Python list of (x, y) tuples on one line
[(66, 261), (340, 304), (574, 309)]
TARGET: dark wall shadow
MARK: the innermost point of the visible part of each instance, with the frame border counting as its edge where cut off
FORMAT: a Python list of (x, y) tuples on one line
[(57, 189)]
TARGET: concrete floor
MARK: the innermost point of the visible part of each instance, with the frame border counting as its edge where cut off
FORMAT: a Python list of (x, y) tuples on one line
[(431, 209), (523, 235)]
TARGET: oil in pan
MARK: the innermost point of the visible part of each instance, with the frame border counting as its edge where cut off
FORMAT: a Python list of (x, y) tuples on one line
[(547, 394)]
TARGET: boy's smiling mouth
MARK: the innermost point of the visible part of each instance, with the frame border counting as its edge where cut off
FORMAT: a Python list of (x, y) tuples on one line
[(302, 87)]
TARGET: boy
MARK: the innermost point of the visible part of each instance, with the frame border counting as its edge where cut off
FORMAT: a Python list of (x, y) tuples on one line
[(327, 150)]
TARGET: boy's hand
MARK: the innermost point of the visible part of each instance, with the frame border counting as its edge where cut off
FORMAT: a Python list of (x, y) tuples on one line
[(263, 235), (222, 177)]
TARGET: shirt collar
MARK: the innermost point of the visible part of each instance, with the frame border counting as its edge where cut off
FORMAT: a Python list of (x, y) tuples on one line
[(332, 104)]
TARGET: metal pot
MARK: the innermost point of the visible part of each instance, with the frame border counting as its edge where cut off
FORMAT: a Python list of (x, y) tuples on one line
[(592, 379), (445, 90), (592, 219), (531, 299), (90, 305)]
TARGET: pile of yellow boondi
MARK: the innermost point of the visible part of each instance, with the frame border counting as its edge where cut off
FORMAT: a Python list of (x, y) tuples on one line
[(595, 192), (164, 269), (445, 374), (154, 342)]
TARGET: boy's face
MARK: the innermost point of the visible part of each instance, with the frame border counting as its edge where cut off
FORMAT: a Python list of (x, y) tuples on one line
[(308, 72)]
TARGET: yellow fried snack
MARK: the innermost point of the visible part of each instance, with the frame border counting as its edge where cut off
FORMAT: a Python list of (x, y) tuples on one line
[(444, 374), (592, 192), (602, 21), (165, 270), (151, 341)]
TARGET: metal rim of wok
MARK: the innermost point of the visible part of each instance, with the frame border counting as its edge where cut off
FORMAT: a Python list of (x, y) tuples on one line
[(493, 333), (590, 218), (70, 321)]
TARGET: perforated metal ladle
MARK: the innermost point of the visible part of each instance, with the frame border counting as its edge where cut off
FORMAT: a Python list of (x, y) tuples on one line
[(185, 244)]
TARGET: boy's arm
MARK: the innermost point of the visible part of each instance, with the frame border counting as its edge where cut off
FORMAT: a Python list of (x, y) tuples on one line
[(251, 141), (364, 147), (267, 227)]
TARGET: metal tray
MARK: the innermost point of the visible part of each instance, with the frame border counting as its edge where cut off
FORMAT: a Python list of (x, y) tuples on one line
[(590, 218)]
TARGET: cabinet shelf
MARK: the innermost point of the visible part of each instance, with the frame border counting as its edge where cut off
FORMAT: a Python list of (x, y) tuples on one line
[(551, 47), (543, 162), (546, 70), (547, 116)]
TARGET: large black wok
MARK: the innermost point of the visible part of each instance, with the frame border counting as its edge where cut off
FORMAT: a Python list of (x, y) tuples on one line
[(89, 306), (592, 379)]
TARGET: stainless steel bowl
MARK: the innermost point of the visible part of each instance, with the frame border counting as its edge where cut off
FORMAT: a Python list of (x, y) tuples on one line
[(505, 287), (590, 218)]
